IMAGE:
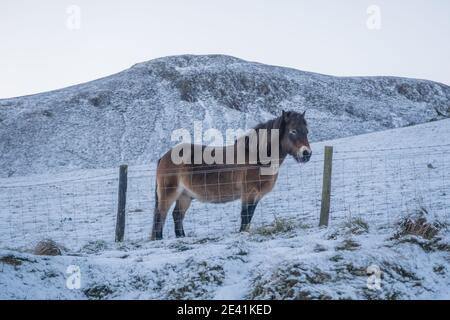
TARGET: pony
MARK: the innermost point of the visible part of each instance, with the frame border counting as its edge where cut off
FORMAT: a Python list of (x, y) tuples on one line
[(220, 182)]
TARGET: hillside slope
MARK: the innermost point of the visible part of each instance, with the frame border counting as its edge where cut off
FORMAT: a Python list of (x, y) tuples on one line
[(128, 117), (379, 180)]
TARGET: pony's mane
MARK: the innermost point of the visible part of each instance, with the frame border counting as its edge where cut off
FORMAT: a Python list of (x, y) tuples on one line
[(271, 124), (274, 123)]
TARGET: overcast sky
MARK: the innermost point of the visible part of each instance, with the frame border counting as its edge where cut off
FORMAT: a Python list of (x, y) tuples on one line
[(44, 46)]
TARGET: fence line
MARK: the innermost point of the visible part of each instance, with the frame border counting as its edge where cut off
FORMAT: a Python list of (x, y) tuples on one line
[(378, 187)]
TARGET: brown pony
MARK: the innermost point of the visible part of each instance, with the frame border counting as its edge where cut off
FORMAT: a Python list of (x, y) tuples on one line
[(219, 183)]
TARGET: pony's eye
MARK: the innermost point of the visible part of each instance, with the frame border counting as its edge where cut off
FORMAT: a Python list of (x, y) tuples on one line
[(293, 131)]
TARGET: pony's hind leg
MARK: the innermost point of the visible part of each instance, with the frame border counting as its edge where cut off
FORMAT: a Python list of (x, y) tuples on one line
[(247, 211), (183, 203), (166, 195), (158, 224)]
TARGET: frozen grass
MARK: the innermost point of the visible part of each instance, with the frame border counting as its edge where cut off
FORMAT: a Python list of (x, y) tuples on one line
[(418, 224), (47, 247)]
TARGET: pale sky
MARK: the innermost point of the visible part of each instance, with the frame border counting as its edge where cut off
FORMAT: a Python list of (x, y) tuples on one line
[(39, 52)]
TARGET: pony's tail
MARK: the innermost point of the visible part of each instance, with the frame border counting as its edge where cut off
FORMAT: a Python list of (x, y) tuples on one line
[(156, 195), (153, 235), (156, 187)]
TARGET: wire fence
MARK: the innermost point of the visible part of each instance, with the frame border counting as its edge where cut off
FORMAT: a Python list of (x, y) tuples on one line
[(377, 185)]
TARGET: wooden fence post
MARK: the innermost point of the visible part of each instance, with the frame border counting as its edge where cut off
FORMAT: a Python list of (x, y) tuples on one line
[(326, 186), (122, 200)]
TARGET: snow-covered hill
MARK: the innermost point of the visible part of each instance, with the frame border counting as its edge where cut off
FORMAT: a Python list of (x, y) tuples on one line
[(380, 180), (128, 117)]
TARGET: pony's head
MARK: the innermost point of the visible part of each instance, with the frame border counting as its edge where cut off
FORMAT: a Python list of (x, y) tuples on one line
[(294, 136)]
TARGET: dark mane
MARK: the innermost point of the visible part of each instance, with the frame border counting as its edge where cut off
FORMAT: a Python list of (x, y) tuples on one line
[(271, 124), (268, 125)]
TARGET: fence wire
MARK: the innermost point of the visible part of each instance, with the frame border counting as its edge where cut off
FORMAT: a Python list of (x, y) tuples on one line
[(378, 186)]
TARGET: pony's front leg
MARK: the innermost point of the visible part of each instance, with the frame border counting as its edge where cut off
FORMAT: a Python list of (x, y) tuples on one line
[(247, 211)]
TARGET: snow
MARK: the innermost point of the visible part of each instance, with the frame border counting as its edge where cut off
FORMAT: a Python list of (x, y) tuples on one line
[(378, 178), (126, 117)]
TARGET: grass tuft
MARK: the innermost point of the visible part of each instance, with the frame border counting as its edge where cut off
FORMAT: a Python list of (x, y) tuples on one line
[(417, 224), (279, 226), (47, 247), (357, 226), (11, 260)]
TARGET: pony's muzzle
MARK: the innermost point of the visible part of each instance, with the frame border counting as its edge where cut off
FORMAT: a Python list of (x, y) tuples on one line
[(304, 154)]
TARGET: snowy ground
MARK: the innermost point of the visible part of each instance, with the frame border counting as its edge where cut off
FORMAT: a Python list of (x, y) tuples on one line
[(378, 178)]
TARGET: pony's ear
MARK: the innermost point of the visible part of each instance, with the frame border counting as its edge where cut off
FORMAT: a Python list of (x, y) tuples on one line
[(282, 123), (303, 114)]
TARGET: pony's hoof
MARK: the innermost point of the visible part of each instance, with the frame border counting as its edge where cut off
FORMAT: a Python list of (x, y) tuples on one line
[(245, 228), (156, 237)]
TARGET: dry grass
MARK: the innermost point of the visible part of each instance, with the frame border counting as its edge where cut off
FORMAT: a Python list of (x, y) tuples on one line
[(11, 260), (357, 226), (47, 247), (98, 292), (418, 225), (349, 245), (291, 281), (280, 225)]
